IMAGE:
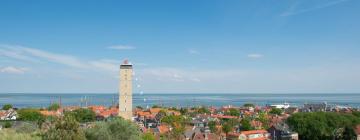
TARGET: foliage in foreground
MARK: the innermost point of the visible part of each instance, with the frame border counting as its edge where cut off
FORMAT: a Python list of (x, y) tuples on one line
[(323, 125), (66, 128), (10, 134), (114, 129)]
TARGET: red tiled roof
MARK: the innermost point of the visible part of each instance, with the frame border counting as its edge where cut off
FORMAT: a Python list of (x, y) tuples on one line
[(253, 132), (223, 116), (155, 110), (163, 129)]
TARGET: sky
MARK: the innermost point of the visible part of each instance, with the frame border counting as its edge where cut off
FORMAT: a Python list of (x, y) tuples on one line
[(180, 46)]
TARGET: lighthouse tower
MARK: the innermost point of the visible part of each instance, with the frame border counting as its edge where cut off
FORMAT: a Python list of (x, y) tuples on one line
[(125, 90)]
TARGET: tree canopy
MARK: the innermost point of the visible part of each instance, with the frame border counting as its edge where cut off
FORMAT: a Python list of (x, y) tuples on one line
[(7, 107), (233, 112), (65, 128), (83, 115), (28, 114), (276, 111), (249, 105), (323, 125), (114, 129)]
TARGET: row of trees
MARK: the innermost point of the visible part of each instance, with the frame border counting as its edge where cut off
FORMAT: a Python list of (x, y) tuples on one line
[(324, 125)]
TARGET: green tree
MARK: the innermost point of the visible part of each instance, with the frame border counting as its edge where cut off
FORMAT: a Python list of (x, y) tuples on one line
[(178, 124), (263, 119), (226, 128), (139, 107), (28, 114), (246, 125), (114, 129), (83, 115), (212, 126), (7, 107), (203, 110), (183, 111), (323, 125), (249, 105), (156, 106), (148, 136), (54, 107), (276, 111), (233, 112), (65, 128)]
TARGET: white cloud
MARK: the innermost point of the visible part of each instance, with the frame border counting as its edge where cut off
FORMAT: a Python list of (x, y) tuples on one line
[(193, 51), (255, 55), (121, 47), (13, 70), (53, 57), (292, 10), (106, 64), (25, 54)]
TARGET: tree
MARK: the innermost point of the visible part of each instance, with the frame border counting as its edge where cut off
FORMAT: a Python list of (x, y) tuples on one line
[(249, 105), (28, 114), (263, 119), (139, 107), (245, 124), (83, 115), (226, 128), (233, 112), (212, 126), (178, 124), (323, 125), (114, 129), (148, 136), (54, 107), (203, 110), (156, 106), (66, 128), (183, 111), (7, 107), (276, 111)]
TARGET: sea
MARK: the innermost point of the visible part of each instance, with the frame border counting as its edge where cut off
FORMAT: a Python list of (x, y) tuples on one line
[(38, 100)]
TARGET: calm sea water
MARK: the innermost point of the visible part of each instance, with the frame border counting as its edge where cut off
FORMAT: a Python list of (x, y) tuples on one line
[(21, 100)]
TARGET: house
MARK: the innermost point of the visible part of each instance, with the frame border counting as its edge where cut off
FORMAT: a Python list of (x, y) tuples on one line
[(315, 107), (250, 135), (281, 131), (10, 114), (205, 136)]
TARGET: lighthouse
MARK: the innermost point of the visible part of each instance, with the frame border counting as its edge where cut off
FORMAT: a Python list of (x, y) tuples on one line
[(125, 90)]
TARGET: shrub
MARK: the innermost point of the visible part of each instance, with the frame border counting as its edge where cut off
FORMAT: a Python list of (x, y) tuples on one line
[(7, 107), (114, 129), (54, 107), (7, 124), (276, 111), (12, 135), (66, 128), (28, 114), (83, 115)]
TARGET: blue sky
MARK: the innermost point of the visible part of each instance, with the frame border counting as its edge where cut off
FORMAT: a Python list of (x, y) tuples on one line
[(181, 46)]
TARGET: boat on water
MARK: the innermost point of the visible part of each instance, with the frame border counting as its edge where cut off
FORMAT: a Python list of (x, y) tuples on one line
[(281, 106)]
